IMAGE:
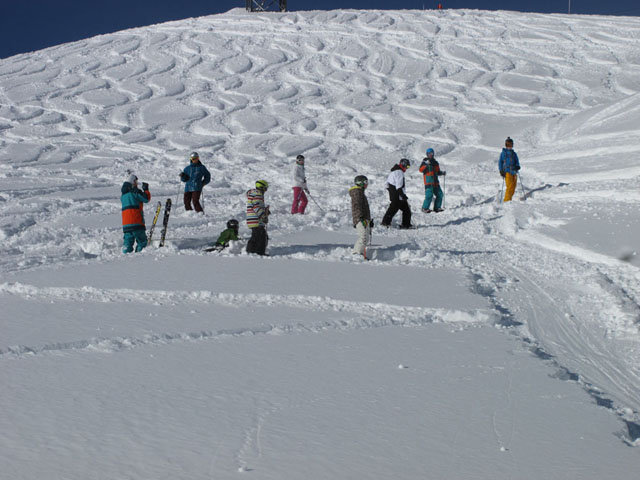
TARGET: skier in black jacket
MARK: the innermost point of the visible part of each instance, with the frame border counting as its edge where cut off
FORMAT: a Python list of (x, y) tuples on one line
[(397, 195)]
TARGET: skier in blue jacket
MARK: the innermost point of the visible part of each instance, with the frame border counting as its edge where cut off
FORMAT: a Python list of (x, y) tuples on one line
[(509, 166), (196, 176)]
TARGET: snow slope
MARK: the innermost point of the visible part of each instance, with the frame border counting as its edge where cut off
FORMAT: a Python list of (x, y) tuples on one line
[(493, 341)]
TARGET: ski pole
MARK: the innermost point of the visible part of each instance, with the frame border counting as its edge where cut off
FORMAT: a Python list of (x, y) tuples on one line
[(444, 190), (178, 194), (501, 190), (314, 201), (524, 195)]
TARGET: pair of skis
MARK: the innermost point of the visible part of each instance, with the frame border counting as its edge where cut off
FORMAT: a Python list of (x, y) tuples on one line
[(165, 222)]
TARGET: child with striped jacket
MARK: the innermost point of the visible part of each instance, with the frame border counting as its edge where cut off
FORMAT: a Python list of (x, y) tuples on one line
[(257, 218)]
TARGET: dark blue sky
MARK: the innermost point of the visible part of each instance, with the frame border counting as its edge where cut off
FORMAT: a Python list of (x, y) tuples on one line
[(27, 25)]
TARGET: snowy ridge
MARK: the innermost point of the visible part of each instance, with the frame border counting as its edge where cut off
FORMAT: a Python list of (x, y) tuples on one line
[(214, 365)]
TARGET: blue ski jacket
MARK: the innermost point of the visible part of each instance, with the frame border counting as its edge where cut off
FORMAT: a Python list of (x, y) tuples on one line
[(509, 161), (195, 177)]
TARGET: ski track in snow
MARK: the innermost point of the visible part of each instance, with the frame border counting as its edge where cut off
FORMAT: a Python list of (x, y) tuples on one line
[(354, 92), (366, 315)]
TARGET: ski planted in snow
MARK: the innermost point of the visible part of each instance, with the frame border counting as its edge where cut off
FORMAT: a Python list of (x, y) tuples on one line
[(165, 221), (220, 248), (155, 220), (371, 252)]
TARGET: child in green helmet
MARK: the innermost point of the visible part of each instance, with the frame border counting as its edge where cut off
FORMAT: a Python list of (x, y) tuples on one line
[(228, 235), (257, 218)]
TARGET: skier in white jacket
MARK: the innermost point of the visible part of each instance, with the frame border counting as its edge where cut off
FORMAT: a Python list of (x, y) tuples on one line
[(397, 196), (299, 187)]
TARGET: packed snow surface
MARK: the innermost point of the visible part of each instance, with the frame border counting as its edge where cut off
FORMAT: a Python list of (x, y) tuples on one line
[(494, 340)]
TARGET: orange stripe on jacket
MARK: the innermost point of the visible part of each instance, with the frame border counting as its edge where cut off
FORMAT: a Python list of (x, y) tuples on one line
[(430, 175), (132, 216)]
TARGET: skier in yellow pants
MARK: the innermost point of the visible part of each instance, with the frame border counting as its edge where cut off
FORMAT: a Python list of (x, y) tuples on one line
[(509, 166)]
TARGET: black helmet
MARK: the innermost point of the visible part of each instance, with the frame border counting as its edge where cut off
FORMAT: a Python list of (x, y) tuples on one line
[(194, 156), (300, 159), (361, 181), (405, 163), (508, 141), (233, 223)]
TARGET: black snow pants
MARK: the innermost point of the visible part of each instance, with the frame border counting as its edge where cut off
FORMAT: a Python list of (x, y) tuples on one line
[(398, 202), (258, 241)]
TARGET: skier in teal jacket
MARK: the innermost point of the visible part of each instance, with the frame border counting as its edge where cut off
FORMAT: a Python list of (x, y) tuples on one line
[(132, 200), (430, 169)]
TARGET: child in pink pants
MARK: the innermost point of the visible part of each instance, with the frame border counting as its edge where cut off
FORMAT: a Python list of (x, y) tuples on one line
[(299, 187)]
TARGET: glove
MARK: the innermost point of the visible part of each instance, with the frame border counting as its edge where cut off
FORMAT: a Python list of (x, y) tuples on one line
[(184, 177), (503, 173), (516, 168), (306, 190), (371, 223), (364, 222), (145, 186)]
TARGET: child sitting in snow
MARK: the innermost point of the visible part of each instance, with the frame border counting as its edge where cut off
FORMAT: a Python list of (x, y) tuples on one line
[(231, 233)]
